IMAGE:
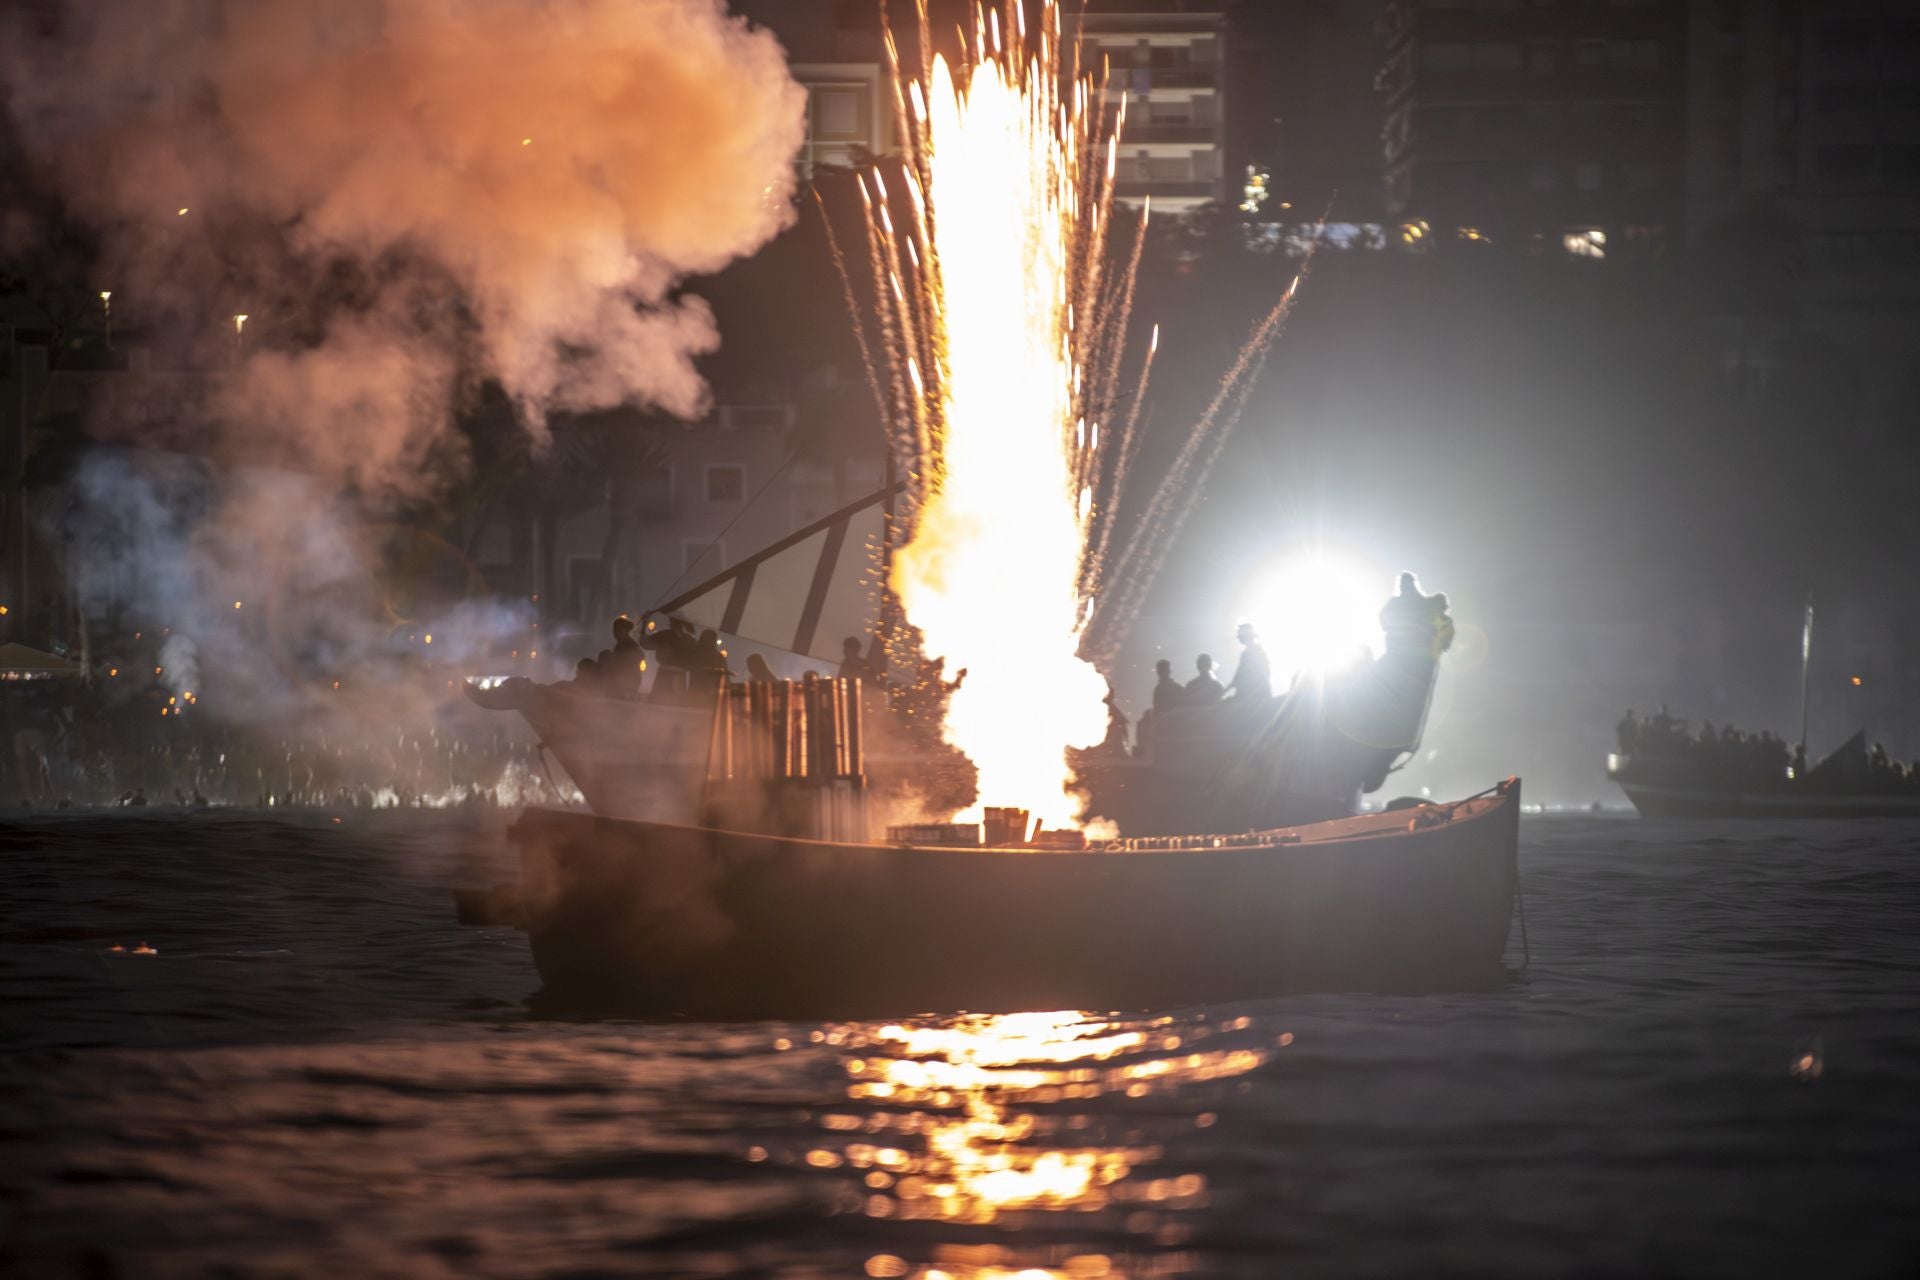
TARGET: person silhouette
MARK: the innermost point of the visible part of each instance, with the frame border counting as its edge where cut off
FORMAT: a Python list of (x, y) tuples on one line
[(1253, 678), (853, 665), (1204, 689), (1168, 693)]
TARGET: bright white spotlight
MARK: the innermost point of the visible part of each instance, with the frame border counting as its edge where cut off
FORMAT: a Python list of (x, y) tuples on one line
[(1316, 611)]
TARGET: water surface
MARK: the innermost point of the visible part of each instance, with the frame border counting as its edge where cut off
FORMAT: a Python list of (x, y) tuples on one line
[(1709, 1067)]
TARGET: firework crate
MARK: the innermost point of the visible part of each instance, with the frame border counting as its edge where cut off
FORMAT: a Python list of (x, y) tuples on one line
[(1059, 841), (1006, 826)]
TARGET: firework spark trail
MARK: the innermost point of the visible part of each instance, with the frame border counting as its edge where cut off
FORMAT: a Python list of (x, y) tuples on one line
[(906, 424), (1111, 333), (1143, 554), (917, 323), (1004, 327), (1166, 513), (1167, 495), (853, 309), (1105, 640), (995, 339), (1126, 448), (1112, 324)]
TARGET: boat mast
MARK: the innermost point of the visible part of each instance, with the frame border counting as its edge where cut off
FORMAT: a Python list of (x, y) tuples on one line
[(1806, 666)]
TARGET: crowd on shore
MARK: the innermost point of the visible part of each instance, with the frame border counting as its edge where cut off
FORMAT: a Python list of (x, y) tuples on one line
[(80, 743)]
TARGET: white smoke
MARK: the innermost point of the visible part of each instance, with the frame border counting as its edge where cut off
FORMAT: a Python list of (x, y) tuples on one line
[(404, 196), (409, 200)]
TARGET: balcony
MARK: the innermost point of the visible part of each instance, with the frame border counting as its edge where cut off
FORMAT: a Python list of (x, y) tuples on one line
[(1197, 133), (1140, 81)]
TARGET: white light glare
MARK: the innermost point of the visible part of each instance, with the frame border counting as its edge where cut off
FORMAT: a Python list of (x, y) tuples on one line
[(1317, 611)]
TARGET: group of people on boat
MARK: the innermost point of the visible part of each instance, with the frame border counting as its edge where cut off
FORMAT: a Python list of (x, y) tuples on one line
[(1252, 681), (1727, 752), (1663, 742), (689, 664), (692, 667)]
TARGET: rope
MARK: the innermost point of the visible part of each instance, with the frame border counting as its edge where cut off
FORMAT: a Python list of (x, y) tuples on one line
[(547, 769), (1526, 948)]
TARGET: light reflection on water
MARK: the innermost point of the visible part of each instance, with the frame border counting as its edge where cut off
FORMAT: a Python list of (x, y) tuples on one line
[(1022, 1121), (318, 1075)]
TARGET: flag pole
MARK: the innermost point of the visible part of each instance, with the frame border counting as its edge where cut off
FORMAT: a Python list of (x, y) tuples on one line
[(1806, 666)]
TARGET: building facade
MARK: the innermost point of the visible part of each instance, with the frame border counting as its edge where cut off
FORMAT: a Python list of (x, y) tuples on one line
[(834, 51), (1555, 123), (1803, 168), (1167, 58), (723, 489)]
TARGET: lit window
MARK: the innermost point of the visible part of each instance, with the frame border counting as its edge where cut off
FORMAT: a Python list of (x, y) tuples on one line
[(1586, 242), (1254, 193)]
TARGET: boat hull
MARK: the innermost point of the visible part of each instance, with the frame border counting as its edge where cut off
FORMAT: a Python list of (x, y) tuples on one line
[(661, 920), (631, 758)]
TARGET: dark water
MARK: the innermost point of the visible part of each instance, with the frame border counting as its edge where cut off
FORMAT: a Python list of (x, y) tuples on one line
[(1711, 1067)]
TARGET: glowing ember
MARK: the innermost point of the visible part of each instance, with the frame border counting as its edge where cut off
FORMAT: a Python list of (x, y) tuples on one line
[(991, 576)]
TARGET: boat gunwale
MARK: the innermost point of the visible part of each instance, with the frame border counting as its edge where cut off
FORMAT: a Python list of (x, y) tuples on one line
[(1473, 809)]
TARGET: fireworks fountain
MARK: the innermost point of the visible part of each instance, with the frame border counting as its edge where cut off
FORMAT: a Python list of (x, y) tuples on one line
[(1004, 330)]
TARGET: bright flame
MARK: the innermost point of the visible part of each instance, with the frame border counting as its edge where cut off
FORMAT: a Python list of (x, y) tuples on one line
[(991, 575), (1316, 611)]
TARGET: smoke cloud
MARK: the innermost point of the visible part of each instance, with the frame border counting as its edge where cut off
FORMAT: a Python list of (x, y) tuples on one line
[(404, 196), (408, 200)]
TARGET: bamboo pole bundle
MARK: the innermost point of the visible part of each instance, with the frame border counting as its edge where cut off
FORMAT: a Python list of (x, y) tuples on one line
[(856, 745)]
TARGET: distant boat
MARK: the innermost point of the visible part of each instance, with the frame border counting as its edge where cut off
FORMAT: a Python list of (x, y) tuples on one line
[(661, 920), (1668, 774), (1700, 784)]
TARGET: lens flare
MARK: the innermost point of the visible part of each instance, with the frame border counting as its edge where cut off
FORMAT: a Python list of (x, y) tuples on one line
[(1317, 610)]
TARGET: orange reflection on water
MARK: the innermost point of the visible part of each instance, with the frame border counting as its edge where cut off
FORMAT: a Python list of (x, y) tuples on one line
[(957, 1122)]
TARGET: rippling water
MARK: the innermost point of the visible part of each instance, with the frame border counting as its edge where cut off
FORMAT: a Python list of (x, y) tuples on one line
[(1710, 1067)]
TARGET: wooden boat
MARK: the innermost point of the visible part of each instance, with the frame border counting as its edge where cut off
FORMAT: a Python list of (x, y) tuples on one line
[(630, 759), (657, 919)]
